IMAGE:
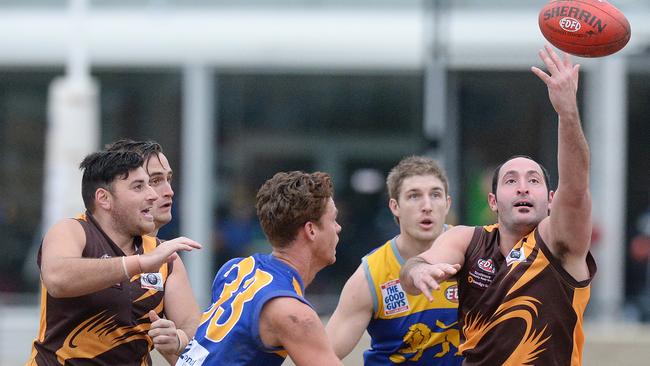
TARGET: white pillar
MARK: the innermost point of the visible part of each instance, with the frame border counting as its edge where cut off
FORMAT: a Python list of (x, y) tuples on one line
[(198, 184), (606, 125), (440, 124), (73, 126)]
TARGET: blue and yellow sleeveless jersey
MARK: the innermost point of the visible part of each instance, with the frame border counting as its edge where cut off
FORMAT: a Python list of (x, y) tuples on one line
[(228, 333), (408, 329)]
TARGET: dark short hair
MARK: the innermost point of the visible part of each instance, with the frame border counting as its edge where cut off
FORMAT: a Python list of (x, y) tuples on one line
[(101, 168), (414, 166), (495, 175), (146, 148), (289, 200)]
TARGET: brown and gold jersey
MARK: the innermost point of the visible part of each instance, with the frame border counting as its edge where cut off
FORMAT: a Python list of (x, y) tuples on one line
[(107, 327), (522, 309)]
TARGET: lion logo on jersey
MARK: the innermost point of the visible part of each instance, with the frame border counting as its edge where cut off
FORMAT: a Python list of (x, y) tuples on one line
[(420, 337)]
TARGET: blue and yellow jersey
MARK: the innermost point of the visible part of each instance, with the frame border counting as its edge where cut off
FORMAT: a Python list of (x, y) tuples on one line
[(408, 329), (228, 333)]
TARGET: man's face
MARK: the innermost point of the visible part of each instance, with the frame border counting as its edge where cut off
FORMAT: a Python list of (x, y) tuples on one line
[(160, 179), (421, 207), (328, 233), (132, 203), (522, 199)]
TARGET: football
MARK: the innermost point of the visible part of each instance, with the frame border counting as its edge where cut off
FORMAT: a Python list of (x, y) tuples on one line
[(586, 28)]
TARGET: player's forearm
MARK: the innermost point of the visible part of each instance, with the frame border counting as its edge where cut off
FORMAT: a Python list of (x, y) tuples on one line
[(405, 277), (170, 358), (343, 335), (573, 154), (190, 324), (71, 277)]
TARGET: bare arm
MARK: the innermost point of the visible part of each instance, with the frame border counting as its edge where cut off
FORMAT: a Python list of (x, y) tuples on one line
[(295, 326), (423, 273), (568, 230), (181, 311), (352, 315), (66, 274)]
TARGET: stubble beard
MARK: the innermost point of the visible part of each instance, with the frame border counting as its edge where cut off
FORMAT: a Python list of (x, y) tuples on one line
[(130, 226)]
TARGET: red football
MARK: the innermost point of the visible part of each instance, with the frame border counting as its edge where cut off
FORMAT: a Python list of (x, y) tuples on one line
[(587, 28)]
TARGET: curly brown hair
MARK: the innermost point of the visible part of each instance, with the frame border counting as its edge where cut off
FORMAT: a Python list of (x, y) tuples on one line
[(289, 200)]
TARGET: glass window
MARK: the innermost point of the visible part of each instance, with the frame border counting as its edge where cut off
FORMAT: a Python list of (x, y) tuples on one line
[(501, 114), (327, 105), (637, 275), (23, 96), (341, 124), (143, 105)]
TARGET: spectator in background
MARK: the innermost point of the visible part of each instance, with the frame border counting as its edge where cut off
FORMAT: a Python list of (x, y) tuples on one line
[(238, 230)]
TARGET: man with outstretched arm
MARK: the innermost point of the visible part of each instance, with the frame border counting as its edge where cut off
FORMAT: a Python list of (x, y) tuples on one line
[(524, 282), (101, 274)]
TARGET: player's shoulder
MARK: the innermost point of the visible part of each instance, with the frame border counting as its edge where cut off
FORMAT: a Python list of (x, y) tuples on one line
[(358, 279), (288, 313), (458, 232), (67, 227)]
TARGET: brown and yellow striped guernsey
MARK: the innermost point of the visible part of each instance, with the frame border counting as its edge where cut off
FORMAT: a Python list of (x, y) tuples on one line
[(523, 309), (107, 327)]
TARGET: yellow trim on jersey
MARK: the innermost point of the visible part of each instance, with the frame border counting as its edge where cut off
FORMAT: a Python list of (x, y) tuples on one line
[(384, 268), (580, 300), (282, 353), (540, 263), (490, 228), (296, 286)]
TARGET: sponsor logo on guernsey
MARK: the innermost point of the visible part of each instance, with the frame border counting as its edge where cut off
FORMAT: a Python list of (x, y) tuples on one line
[(151, 281), (394, 298), (451, 293), (482, 274), (194, 356), (516, 255), (487, 265)]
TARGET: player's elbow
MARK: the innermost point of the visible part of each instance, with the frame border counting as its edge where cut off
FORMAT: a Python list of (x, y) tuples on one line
[(56, 284), (340, 351)]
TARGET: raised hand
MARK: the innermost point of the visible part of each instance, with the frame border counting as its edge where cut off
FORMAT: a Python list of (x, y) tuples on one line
[(561, 80), (427, 277), (166, 252)]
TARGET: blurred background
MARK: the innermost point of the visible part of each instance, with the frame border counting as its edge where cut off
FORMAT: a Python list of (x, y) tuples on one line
[(238, 90)]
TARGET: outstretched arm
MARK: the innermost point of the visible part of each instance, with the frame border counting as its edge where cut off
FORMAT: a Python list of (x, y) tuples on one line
[(66, 274), (352, 315), (423, 273), (568, 230), (293, 325)]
